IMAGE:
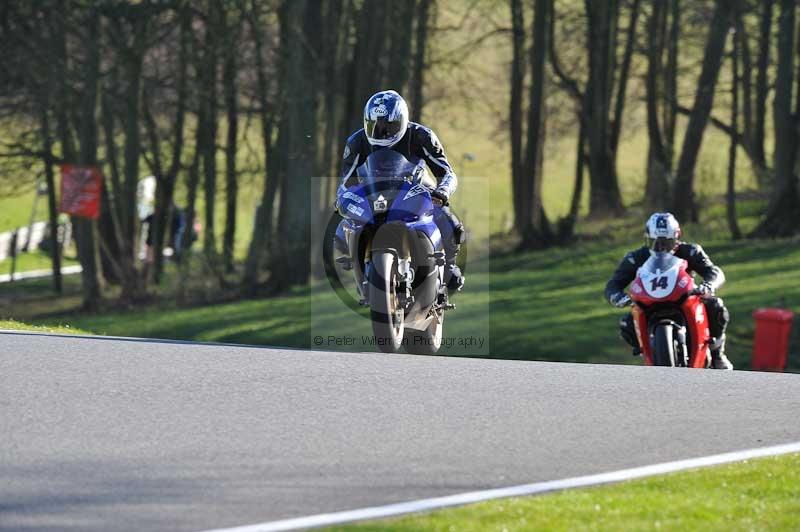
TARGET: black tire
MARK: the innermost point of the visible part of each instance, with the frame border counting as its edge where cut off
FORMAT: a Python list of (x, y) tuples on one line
[(387, 319), (663, 346), (426, 342)]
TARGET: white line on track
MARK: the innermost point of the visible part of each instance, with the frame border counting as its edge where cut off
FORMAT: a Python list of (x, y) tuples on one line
[(423, 505)]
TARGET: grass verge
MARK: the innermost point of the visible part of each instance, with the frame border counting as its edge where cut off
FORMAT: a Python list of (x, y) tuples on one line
[(12, 325), (536, 306), (35, 260), (754, 495)]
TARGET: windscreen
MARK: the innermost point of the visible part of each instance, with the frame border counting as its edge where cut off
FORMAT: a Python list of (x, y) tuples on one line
[(660, 262), (386, 165)]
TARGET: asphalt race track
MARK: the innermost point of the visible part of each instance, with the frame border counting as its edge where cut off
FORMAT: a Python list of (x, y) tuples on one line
[(124, 434)]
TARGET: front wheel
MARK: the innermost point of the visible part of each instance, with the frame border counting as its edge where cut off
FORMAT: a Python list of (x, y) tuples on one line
[(387, 317), (426, 342), (663, 346)]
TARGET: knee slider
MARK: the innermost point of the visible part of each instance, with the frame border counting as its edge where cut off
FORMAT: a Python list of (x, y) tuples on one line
[(627, 331), (459, 234), (718, 312)]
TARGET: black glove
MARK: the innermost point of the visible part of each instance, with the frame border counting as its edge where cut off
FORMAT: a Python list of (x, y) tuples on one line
[(620, 300), (705, 290), (441, 196)]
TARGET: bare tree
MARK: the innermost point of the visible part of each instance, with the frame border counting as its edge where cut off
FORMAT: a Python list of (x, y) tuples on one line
[(229, 77), (659, 157), (420, 52), (683, 203), (733, 222), (515, 111), (297, 140), (783, 212), (605, 196), (535, 229), (88, 151), (166, 172)]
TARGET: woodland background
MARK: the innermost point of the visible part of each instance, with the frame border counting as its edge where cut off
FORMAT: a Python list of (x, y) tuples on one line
[(576, 119)]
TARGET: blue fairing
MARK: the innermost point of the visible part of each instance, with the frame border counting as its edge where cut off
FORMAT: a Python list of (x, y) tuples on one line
[(353, 205), (387, 173), (413, 205)]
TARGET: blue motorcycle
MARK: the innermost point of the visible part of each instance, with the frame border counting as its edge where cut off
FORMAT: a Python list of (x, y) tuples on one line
[(395, 252)]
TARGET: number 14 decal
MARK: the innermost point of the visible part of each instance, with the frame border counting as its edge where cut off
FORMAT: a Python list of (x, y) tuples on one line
[(659, 282)]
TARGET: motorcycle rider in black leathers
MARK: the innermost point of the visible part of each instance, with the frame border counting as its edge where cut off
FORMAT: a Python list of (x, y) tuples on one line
[(662, 233), (386, 127)]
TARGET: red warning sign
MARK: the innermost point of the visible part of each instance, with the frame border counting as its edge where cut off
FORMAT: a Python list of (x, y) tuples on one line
[(80, 190)]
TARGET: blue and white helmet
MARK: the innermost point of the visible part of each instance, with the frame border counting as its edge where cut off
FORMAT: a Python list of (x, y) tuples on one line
[(662, 232), (385, 118)]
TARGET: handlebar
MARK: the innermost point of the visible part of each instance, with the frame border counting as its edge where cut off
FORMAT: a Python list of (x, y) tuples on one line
[(702, 294)]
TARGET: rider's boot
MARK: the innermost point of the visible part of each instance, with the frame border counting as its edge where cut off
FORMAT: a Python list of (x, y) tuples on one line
[(627, 332), (718, 358), (453, 236), (718, 322), (453, 277)]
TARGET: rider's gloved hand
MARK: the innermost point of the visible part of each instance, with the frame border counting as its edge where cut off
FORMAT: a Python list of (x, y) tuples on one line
[(705, 290), (620, 300), (440, 197)]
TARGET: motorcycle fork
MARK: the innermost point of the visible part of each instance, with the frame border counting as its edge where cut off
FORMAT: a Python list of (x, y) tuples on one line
[(680, 339)]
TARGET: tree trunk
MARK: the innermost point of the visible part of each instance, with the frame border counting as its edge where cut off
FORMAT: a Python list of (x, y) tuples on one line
[(566, 226), (619, 107), (232, 186), (292, 265), (783, 212), (47, 145), (659, 164), (420, 48), (209, 154), (192, 182), (536, 230), (402, 34), (165, 192), (112, 207), (671, 83), (85, 230), (515, 112), (262, 228), (683, 204), (332, 71), (733, 223), (605, 198), (132, 285), (762, 92)]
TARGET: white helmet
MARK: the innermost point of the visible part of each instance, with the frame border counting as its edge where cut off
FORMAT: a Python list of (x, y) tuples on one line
[(385, 118), (662, 232)]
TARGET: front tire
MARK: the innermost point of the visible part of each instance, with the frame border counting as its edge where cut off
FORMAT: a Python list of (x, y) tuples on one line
[(387, 318), (426, 342), (663, 346)]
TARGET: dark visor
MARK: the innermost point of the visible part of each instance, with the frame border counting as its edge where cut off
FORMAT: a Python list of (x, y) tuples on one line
[(662, 244), (382, 129)]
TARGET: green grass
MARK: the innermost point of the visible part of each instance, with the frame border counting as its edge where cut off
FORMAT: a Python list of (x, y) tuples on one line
[(12, 325), (15, 211), (545, 305), (35, 260), (753, 495), (542, 305)]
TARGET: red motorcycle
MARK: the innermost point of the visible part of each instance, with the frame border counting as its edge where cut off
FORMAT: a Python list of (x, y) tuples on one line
[(670, 317)]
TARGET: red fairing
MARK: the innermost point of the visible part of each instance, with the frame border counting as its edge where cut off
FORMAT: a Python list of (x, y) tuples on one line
[(699, 334), (694, 312)]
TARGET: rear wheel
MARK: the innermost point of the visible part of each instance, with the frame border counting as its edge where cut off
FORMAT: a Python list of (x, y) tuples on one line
[(426, 342), (387, 317), (663, 346)]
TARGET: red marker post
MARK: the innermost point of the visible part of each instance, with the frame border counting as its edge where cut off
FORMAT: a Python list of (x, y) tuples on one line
[(80, 190), (771, 344)]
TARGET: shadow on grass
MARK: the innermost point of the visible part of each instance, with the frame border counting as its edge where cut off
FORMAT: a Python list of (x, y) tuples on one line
[(545, 305)]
